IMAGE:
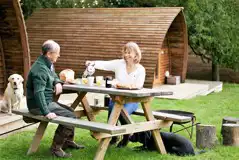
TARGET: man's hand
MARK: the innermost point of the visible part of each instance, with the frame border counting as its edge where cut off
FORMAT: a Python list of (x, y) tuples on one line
[(58, 88), (51, 115)]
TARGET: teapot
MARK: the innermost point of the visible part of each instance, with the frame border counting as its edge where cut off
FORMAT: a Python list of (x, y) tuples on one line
[(89, 71)]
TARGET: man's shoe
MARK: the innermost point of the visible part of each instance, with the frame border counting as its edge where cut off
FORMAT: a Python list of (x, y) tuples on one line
[(60, 153), (72, 145), (114, 140), (124, 141)]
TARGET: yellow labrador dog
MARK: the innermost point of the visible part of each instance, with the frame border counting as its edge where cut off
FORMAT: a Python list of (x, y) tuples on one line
[(13, 94)]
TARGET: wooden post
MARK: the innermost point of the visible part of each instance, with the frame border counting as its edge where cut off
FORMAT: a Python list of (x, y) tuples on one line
[(205, 136), (24, 39), (230, 134)]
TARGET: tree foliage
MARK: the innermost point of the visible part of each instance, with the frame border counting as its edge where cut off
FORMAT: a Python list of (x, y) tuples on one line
[(28, 6), (212, 29)]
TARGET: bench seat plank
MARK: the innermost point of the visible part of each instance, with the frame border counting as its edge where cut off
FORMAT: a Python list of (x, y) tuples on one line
[(157, 115), (84, 124), (165, 116)]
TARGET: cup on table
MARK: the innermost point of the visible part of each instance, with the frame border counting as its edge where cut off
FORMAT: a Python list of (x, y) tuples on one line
[(90, 80), (84, 81), (99, 80)]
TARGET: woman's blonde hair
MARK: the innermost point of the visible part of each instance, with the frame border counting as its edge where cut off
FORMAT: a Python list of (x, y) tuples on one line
[(132, 46)]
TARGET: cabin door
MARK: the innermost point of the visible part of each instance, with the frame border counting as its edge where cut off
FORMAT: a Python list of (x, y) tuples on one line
[(163, 65)]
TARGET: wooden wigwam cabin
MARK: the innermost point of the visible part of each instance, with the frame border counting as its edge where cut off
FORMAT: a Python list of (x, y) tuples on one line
[(100, 33), (14, 57), (14, 49)]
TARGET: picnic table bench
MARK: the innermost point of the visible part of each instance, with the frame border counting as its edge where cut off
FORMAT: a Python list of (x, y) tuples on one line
[(101, 131)]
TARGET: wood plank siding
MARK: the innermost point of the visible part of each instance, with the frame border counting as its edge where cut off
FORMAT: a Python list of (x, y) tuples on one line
[(100, 33), (14, 50)]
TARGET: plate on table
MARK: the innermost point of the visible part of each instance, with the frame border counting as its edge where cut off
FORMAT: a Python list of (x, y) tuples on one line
[(75, 81), (125, 87)]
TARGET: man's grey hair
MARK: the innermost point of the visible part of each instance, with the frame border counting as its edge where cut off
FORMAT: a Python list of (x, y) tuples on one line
[(50, 46)]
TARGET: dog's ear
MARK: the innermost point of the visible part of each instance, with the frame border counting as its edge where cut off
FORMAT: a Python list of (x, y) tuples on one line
[(21, 78), (10, 78)]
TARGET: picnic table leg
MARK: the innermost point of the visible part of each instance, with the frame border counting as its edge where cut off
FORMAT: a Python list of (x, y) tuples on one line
[(77, 100), (157, 137), (126, 116), (88, 110), (104, 143), (37, 138)]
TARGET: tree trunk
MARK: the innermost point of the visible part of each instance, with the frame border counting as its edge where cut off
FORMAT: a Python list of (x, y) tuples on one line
[(205, 136), (230, 134), (215, 72)]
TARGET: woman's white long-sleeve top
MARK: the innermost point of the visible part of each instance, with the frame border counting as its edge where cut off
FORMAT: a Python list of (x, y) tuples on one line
[(118, 66)]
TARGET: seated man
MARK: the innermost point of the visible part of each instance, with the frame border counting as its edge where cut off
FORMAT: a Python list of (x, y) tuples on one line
[(42, 82)]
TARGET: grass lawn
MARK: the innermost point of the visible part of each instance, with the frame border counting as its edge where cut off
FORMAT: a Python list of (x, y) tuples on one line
[(208, 109)]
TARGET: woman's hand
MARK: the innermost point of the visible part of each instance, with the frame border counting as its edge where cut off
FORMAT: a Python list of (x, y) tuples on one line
[(87, 63), (58, 88)]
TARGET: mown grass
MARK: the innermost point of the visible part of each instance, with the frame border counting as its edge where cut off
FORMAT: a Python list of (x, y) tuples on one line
[(208, 109)]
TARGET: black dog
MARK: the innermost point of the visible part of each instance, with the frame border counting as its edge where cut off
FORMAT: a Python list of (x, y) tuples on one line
[(174, 143)]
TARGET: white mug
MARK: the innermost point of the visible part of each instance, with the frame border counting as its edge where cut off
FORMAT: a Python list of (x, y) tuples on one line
[(90, 80)]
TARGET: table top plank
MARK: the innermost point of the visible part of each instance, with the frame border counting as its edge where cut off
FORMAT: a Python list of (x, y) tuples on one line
[(144, 92)]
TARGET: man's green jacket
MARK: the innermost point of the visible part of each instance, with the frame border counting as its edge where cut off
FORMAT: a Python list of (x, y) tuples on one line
[(40, 85)]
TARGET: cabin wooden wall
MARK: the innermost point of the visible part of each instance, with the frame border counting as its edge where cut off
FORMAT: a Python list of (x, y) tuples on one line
[(173, 54), (14, 50), (100, 33), (2, 69), (163, 63), (91, 34), (178, 47), (10, 46)]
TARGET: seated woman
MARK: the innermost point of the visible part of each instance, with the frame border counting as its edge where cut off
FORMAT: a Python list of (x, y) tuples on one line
[(128, 73)]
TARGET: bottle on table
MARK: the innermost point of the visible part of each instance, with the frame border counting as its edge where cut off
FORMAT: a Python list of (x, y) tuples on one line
[(108, 81)]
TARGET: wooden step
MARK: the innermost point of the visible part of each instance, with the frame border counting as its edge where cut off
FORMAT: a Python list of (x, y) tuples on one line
[(9, 123)]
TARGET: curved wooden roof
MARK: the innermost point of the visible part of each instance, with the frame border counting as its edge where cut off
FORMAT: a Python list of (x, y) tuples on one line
[(100, 33), (14, 49)]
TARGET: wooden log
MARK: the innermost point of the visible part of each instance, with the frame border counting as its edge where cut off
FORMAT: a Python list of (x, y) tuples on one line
[(231, 120), (230, 134), (205, 136)]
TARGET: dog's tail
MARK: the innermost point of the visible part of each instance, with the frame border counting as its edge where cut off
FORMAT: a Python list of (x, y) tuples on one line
[(3, 106), (1, 103)]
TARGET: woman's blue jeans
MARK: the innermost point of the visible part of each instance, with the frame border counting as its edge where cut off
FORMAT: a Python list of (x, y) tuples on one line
[(129, 107)]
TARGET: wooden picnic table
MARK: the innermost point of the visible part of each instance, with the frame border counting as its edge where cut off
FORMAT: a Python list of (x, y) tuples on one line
[(120, 97)]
